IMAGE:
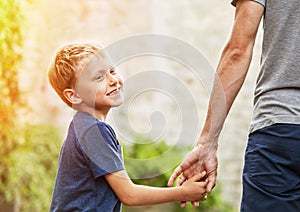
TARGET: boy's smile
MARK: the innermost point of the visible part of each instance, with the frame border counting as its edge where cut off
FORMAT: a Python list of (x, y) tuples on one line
[(114, 92)]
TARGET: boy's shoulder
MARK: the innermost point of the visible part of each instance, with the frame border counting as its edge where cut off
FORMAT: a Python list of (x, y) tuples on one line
[(83, 122), (92, 135)]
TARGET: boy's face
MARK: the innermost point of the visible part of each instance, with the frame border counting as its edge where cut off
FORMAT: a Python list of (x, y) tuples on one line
[(99, 85)]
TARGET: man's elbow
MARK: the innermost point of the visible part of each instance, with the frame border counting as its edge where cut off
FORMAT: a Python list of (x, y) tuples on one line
[(236, 53)]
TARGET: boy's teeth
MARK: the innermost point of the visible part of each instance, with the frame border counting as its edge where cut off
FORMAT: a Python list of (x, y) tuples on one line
[(113, 92)]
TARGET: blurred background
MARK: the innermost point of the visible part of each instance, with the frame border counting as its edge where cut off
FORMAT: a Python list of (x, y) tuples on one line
[(34, 120)]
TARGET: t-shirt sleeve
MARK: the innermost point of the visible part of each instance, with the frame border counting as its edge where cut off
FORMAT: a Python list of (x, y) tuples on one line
[(102, 150), (263, 2)]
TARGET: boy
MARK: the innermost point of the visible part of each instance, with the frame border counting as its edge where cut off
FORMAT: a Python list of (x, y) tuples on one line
[(91, 174)]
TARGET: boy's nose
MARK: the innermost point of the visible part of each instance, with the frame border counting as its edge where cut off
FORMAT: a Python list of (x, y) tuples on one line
[(113, 79)]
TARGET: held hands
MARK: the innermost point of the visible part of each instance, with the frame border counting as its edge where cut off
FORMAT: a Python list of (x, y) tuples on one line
[(200, 159), (193, 189), (195, 162)]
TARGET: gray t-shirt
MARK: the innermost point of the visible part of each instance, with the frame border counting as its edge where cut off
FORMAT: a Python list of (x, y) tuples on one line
[(90, 151), (277, 92)]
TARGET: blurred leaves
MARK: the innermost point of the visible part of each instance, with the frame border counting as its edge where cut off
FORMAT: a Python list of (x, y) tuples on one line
[(28, 153), (32, 167), (151, 160), (11, 42), (151, 163), (10, 49)]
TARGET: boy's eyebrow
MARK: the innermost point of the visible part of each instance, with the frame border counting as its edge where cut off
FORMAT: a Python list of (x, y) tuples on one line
[(112, 68), (99, 71), (103, 70)]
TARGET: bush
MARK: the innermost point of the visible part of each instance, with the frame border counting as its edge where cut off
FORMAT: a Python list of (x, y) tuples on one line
[(32, 168), (145, 166), (152, 163)]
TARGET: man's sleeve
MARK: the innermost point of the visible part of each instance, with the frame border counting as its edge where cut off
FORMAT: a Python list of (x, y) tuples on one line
[(263, 2)]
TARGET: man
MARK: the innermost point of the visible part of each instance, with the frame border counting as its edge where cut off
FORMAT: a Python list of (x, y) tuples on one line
[(271, 176)]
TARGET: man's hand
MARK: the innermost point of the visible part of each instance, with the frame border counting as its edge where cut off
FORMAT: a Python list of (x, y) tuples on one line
[(200, 159)]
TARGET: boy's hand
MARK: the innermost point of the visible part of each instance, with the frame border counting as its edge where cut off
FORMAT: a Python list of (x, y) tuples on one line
[(193, 190), (199, 159)]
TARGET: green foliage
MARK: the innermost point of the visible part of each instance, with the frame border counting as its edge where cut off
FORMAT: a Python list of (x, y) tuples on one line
[(32, 168), (28, 153), (10, 47), (152, 164)]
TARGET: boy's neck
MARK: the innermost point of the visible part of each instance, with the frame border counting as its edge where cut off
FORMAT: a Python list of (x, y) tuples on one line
[(101, 115)]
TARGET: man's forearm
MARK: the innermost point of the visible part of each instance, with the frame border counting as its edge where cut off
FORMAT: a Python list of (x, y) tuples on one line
[(231, 73), (232, 69)]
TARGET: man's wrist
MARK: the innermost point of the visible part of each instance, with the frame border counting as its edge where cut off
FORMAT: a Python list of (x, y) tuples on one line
[(208, 142)]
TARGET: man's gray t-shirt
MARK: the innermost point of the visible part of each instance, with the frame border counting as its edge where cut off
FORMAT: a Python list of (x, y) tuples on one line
[(277, 92), (90, 151)]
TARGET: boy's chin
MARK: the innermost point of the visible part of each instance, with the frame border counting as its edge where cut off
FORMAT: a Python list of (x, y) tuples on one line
[(117, 103)]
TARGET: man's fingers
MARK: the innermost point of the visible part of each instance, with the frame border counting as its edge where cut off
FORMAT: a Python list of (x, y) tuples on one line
[(210, 186), (190, 159), (204, 197), (175, 174), (181, 180), (183, 204), (211, 182), (199, 176), (178, 171), (195, 204)]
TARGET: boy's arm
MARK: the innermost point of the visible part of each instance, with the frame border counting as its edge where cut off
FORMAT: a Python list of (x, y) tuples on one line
[(138, 195)]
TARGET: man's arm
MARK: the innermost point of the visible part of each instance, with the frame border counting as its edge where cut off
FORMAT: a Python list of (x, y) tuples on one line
[(231, 72), (138, 195)]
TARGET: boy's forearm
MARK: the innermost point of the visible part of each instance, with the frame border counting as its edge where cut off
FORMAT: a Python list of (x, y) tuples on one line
[(144, 195), (137, 195)]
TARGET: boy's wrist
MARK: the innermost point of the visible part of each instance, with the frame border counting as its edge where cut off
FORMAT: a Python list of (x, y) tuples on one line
[(182, 194)]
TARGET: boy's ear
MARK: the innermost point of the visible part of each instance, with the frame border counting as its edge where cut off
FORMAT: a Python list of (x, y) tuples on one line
[(72, 96)]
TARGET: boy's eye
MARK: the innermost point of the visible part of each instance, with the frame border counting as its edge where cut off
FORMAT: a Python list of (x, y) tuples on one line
[(99, 77)]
